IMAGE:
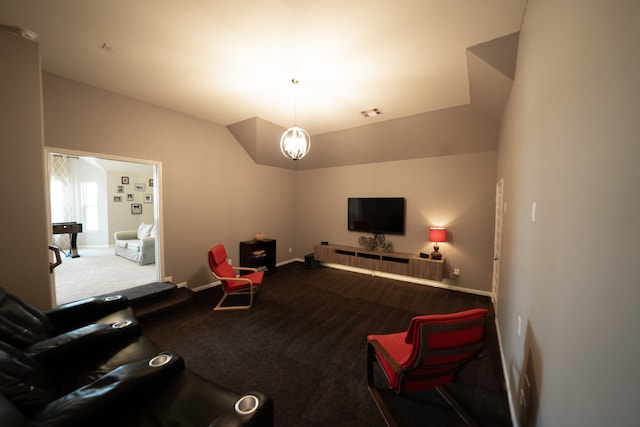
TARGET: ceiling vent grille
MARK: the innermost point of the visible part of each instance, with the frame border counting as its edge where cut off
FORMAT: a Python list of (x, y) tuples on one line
[(372, 112)]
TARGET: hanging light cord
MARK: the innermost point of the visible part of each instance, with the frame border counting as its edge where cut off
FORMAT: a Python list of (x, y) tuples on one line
[(295, 100)]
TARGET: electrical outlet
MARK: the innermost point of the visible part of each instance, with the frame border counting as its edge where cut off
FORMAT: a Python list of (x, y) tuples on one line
[(290, 250), (456, 271), (519, 327)]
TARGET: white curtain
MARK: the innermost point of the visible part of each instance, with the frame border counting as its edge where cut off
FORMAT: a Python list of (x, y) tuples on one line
[(61, 194)]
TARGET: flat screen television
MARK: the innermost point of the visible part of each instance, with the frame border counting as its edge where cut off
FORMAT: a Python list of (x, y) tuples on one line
[(377, 215)]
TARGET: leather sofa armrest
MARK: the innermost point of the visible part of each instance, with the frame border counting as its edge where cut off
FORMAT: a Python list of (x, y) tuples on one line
[(11, 415), (73, 343), (78, 313), (105, 394), (262, 416)]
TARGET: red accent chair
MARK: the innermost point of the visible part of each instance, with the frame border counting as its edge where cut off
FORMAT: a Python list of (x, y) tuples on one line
[(232, 283), (428, 355)]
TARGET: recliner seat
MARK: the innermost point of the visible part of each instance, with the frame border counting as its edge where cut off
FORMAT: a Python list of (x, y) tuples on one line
[(87, 376)]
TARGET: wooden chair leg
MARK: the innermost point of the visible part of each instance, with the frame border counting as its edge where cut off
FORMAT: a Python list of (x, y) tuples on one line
[(250, 292), (453, 402), (384, 409)]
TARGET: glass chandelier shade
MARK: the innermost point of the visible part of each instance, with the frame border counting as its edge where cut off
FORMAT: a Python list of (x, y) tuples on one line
[(295, 142)]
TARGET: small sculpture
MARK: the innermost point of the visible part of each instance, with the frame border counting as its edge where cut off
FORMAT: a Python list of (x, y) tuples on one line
[(377, 242)]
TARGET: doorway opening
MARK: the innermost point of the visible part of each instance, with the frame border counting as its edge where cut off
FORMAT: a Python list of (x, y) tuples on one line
[(497, 243), (92, 197)]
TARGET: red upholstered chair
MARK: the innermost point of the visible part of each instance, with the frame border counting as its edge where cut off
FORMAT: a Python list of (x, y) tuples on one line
[(428, 355), (232, 283)]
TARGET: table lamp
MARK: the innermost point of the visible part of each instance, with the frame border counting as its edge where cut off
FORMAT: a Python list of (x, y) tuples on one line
[(437, 234)]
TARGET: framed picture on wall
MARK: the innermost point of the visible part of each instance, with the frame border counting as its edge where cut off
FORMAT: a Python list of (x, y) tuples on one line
[(124, 180), (129, 197), (117, 198), (120, 188), (136, 209), (148, 198), (151, 182), (140, 186)]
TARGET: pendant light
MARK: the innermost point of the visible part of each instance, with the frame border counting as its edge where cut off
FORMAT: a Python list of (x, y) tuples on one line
[(295, 142)]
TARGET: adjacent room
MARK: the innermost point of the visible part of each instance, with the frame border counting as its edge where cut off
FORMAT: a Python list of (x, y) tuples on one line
[(89, 197), (495, 139)]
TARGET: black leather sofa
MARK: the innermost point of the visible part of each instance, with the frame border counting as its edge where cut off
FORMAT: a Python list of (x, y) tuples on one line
[(88, 364)]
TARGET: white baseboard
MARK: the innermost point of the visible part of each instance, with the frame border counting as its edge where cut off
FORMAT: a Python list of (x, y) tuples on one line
[(217, 282), (409, 279), (372, 273), (505, 372), (207, 286), (289, 261)]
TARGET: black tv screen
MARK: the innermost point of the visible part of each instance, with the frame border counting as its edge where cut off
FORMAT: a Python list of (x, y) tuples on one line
[(378, 215)]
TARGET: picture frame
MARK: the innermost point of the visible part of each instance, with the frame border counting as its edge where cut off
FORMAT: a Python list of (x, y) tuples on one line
[(148, 198), (150, 182), (124, 180), (129, 197), (117, 198), (139, 186), (120, 189), (136, 209)]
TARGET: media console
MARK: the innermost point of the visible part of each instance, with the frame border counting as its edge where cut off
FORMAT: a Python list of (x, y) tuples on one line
[(389, 262)]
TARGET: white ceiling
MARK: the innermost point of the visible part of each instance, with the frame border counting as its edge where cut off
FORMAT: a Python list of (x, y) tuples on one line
[(227, 61)]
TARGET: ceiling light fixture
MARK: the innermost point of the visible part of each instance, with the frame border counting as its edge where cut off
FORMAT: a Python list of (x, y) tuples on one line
[(295, 142)]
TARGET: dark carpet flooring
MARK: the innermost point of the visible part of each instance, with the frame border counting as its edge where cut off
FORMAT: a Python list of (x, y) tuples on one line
[(304, 344)]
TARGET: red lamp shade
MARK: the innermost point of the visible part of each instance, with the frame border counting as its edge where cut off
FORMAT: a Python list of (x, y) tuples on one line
[(437, 234)]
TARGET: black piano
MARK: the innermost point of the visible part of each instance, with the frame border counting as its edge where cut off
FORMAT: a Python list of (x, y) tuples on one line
[(71, 228)]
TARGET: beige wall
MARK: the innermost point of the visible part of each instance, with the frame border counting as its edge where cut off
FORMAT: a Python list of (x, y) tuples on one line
[(210, 190), (24, 255), (453, 191), (119, 213), (570, 143)]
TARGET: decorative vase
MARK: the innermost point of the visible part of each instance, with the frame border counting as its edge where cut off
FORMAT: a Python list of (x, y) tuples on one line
[(259, 237)]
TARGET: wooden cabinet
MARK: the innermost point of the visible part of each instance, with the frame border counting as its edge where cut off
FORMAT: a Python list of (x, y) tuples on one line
[(389, 262), (259, 254)]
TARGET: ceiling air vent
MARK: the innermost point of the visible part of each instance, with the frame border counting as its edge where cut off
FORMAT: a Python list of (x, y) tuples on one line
[(372, 112)]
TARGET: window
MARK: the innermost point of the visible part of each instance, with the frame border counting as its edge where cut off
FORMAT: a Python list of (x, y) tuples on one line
[(89, 194)]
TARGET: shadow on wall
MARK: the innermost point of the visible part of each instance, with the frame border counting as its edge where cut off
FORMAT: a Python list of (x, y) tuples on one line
[(528, 391)]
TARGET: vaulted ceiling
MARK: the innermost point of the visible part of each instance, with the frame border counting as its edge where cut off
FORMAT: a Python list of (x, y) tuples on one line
[(439, 70)]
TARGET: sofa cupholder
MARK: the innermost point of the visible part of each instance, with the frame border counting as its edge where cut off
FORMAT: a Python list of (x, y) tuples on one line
[(113, 297), (121, 324), (247, 404), (160, 360)]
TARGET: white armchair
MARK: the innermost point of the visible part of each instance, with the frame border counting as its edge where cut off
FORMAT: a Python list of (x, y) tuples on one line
[(137, 245)]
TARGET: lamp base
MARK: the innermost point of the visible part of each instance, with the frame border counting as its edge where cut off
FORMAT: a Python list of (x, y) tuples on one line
[(436, 255)]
